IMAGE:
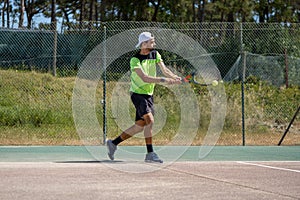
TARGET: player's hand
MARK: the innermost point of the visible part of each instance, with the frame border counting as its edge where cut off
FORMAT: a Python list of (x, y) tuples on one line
[(177, 78), (172, 81)]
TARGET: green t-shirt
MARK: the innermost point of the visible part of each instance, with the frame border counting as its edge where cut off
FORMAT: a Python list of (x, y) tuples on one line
[(148, 64)]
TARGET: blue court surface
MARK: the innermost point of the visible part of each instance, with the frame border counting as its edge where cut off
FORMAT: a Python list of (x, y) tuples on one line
[(220, 172)]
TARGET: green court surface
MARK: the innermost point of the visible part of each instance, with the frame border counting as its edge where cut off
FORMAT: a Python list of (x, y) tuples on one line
[(217, 173), (82, 153)]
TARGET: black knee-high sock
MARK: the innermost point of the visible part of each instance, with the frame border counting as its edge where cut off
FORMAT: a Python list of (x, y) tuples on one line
[(117, 141), (149, 148)]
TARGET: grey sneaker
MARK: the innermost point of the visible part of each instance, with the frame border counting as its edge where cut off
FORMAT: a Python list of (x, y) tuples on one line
[(152, 157), (111, 149)]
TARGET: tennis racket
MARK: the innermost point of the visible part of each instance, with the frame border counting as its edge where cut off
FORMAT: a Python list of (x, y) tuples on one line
[(191, 79)]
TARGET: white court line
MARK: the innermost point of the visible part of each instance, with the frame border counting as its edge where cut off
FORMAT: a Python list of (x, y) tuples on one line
[(270, 167)]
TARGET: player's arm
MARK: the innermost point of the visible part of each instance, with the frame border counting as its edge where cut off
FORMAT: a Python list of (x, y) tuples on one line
[(168, 73), (151, 79)]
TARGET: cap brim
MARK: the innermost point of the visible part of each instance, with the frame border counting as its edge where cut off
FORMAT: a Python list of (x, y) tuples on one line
[(138, 45)]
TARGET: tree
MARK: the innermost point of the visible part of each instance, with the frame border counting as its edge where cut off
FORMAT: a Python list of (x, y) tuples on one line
[(82, 11), (283, 11), (34, 7), (246, 10), (53, 12), (217, 10), (123, 10), (3, 13), (277, 11), (229, 10), (102, 10), (8, 10), (67, 9), (154, 10), (21, 9), (92, 10), (201, 10), (141, 10), (156, 5), (176, 11), (296, 10)]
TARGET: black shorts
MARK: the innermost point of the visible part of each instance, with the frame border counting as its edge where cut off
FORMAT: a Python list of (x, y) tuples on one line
[(143, 104)]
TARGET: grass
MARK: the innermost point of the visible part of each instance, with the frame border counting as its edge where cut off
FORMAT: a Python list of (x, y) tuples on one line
[(36, 109)]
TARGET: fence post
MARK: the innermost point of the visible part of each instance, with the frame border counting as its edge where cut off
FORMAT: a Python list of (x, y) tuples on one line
[(286, 68), (243, 96), (104, 87), (54, 48), (243, 53)]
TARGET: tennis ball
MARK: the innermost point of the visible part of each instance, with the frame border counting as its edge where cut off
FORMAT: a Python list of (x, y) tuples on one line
[(214, 83)]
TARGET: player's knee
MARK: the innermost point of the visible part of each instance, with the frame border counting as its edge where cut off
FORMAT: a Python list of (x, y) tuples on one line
[(138, 128), (139, 125), (149, 119)]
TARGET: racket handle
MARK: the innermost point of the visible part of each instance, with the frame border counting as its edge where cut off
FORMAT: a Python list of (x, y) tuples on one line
[(185, 80)]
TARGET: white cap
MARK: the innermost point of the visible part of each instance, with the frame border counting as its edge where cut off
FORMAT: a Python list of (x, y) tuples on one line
[(143, 37)]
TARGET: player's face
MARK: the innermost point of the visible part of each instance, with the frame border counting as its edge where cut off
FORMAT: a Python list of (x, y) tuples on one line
[(150, 44)]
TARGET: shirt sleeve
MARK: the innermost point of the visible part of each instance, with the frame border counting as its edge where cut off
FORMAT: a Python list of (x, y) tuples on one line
[(135, 63)]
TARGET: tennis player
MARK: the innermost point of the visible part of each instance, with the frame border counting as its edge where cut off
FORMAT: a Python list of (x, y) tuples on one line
[(143, 79)]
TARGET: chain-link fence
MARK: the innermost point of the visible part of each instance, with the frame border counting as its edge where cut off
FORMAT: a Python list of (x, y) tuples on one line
[(259, 65)]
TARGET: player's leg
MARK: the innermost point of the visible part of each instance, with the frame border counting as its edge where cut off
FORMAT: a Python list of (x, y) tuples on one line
[(151, 156), (128, 133), (112, 144), (149, 121), (140, 104)]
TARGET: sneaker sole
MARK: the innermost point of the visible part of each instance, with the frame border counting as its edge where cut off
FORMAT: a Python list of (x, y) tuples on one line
[(153, 161)]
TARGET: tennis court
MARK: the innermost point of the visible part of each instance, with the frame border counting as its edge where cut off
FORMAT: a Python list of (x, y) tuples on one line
[(227, 172)]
